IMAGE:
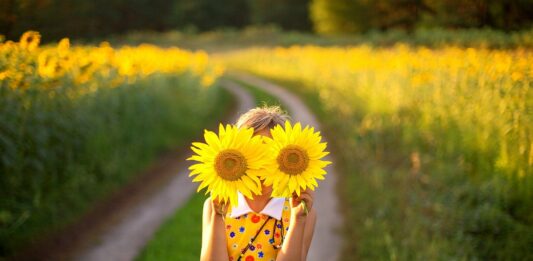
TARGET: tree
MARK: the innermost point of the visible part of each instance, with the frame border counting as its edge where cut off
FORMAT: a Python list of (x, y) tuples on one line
[(210, 14), (291, 15), (501, 14), (354, 16)]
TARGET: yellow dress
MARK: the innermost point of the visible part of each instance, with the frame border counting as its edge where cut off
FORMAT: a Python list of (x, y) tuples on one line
[(242, 224)]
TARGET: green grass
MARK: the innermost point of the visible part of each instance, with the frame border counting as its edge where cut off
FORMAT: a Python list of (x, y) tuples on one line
[(179, 238)]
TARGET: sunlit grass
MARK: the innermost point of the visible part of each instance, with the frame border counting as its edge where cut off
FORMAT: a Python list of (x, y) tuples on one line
[(179, 238)]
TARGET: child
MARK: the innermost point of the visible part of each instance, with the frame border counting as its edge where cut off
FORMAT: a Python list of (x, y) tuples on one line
[(262, 228)]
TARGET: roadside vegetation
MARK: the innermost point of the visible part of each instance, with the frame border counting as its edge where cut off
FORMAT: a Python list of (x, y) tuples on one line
[(434, 144), (78, 122)]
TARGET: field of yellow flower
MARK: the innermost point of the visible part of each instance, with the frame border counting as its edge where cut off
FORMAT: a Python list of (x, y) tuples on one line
[(77, 121), (96, 66), (435, 145), (483, 94)]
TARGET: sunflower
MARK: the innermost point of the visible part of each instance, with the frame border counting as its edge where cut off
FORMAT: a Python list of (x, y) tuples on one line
[(228, 163), (295, 159), (30, 40)]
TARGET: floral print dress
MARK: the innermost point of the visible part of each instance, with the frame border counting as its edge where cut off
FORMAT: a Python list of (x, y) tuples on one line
[(241, 228)]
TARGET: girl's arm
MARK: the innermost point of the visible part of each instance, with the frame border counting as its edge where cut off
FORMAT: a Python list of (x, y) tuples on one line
[(213, 234), (308, 233), (301, 230)]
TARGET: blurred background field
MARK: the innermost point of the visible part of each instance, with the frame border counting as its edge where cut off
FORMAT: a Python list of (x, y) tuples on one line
[(434, 145), (78, 122), (427, 106)]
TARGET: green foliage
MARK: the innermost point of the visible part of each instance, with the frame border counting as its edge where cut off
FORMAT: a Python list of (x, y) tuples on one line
[(349, 16), (289, 15), (209, 14), (99, 18), (60, 155), (501, 14), (356, 16), (57, 18)]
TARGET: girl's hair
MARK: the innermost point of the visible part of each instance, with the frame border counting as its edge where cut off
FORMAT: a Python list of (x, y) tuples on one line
[(263, 117)]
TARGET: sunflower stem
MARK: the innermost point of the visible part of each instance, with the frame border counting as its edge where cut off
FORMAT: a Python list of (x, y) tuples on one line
[(306, 211)]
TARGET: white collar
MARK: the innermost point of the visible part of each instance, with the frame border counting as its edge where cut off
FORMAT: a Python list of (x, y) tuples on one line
[(273, 208)]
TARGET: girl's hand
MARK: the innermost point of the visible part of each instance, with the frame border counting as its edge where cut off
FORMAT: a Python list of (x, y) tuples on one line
[(219, 208), (298, 210)]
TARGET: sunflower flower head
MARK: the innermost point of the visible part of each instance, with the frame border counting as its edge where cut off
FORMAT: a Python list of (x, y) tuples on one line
[(295, 159), (30, 40), (229, 162)]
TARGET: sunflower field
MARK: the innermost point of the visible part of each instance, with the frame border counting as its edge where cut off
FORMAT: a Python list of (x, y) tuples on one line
[(76, 121), (435, 146)]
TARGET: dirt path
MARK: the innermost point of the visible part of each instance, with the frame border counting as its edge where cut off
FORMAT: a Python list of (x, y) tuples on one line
[(326, 243), (128, 237)]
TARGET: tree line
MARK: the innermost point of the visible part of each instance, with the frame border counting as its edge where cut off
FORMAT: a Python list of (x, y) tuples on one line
[(85, 19)]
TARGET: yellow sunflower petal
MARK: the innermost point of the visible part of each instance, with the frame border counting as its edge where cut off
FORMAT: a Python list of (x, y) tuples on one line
[(212, 140)]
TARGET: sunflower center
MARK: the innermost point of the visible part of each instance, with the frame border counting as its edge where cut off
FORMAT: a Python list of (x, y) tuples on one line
[(230, 164), (293, 160)]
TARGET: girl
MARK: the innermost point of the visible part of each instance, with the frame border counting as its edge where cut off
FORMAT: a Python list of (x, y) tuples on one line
[(262, 228)]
